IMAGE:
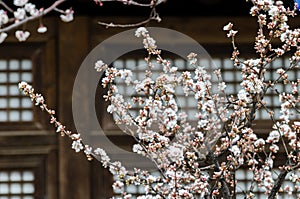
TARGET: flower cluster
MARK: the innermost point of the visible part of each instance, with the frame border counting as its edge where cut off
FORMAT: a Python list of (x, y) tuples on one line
[(200, 160), (24, 11)]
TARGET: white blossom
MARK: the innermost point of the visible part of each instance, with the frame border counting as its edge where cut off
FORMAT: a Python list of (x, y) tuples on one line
[(29, 7), (67, 16), (228, 27), (77, 145), (141, 31), (3, 17), (20, 3), (22, 35), (3, 36), (273, 137), (175, 153), (42, 29), (20, 14)]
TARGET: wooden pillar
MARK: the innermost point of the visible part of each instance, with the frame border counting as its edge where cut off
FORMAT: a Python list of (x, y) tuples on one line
[(74, 169)]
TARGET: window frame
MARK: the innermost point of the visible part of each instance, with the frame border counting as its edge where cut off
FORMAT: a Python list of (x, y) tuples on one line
[(34, 53)]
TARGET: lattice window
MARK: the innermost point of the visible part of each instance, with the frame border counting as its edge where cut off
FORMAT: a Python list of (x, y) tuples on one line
[(230, 74), (17, 184), (244, 178), (134, 190), (15, 107), (138, 67)]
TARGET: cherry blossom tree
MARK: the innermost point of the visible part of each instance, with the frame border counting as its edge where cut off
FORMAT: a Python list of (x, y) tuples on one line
[(22, 11), (200, 161)]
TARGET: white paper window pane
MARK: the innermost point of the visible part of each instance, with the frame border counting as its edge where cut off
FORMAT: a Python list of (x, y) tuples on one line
[(228, 64), (118, 64), (286, 62), (276, 101), (204, 63), (3, 176), (26, 77), (3, 116), (26, 103), (181, 101), (16, 197), (14, 90), (28, 188), (230, 88), (15, 188), (131, 189), (228, 76), (179, 91), (117, 191), (268, 100), (238, 76), (28, 197), (119, 81), (191, 102), (13, 77), (121, 89), (241, 186), (214, 78), (3, 90), (190, 67), (141, 189), (3, 77), (277, 63), (13, 64), (275, 75), (28, 176), (180, 64), (3, 103), (4, 197), (265, 115), (26, 64), (15, 176), (291, 75), (27, 116), (132, 113), (267, 76), (155, 74), (192, 114), (216, 63), (3, 65), (14, 116), (4, 188), (14, 103), (129, 91), (240, 175), (141, 76), (238, 196), (142, 65), (279, 88), (249, 175), (276, 112), (130, 64)]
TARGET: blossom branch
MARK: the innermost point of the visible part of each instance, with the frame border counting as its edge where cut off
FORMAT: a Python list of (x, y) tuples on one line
[(153, 16), (27, 19), (6, 6), (131, 2)]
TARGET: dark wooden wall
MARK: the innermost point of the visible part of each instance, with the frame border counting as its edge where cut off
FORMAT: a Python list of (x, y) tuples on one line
[(68, 175)]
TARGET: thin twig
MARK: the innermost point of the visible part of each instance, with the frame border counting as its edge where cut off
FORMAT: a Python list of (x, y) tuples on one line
[(226, 192), (112, 25), (130, 2), (46, 11), (278, 184), (6, 6)]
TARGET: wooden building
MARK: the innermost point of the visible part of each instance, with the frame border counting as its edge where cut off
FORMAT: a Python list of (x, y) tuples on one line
[(35, 162)]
